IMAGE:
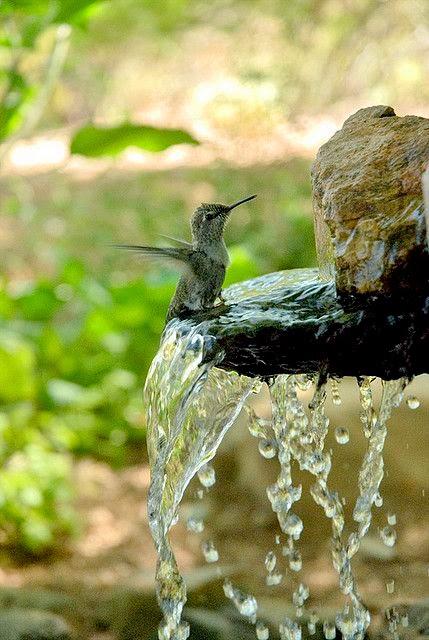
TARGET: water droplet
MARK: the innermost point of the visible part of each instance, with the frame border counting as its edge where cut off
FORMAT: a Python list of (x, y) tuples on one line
[(388, 535), (246, 604), (267, 448), (277, 539), (390, 586), (289, 630), (210, 552), (196, 525), (207, 476), (404, 620), (413, 402), (329, 630), (270, 561), (391, 519), (342, 435), (378, 500), (199, 494), (262, 631), (311, 628), (295, 561), (273, 579), (300, 595), (293, 526), (335, 391), (228, 589)]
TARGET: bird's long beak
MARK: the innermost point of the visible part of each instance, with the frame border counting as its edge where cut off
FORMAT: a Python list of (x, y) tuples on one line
[(241, 202)]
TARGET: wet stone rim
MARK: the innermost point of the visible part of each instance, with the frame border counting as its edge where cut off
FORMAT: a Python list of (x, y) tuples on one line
[(299, 325)]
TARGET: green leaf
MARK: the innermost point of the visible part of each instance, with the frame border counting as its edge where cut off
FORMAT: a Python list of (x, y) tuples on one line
[(93, 141), (17, 95), (60, 11), (74, 10), (17, 361)]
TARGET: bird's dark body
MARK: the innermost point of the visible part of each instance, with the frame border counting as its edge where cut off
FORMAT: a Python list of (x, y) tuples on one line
[(204, 261), (199, 287)]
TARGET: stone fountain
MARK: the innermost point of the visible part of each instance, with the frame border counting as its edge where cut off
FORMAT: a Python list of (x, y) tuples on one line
[(363, 313)]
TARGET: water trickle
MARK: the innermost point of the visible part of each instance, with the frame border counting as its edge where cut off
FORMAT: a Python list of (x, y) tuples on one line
[(301, 437), (190, 406)]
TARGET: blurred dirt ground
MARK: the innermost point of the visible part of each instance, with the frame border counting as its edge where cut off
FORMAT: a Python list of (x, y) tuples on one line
[(114, 556)]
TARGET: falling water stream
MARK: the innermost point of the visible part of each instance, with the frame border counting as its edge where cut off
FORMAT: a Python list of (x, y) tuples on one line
[(191, 404)]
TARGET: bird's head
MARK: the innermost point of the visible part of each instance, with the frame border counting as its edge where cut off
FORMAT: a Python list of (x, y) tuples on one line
[(209, 220)]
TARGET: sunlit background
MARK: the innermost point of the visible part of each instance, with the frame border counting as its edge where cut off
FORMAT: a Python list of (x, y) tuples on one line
[(253, 88)]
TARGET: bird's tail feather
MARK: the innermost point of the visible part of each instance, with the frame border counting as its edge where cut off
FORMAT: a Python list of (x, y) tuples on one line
[(180, 254)]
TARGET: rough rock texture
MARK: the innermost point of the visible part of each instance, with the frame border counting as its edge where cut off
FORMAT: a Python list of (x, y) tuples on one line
[(368, 204)]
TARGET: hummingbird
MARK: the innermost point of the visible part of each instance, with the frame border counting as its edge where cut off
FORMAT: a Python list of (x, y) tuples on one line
[(203, 261)]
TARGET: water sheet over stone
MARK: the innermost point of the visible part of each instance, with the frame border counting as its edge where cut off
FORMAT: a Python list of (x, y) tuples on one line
[(293, 322)]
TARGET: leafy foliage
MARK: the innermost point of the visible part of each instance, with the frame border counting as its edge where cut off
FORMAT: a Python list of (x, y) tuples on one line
[(72, 365), (95, 141)]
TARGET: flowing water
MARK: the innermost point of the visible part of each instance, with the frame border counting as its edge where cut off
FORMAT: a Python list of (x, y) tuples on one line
[(190, 406)]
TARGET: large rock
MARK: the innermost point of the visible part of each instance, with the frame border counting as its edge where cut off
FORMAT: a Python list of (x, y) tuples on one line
[(368, 204), (426, 199)]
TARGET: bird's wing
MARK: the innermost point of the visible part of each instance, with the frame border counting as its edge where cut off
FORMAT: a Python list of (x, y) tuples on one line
[(179, 255), (183, 243)]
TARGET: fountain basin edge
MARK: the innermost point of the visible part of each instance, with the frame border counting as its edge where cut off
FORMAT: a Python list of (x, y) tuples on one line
[(293, 322)]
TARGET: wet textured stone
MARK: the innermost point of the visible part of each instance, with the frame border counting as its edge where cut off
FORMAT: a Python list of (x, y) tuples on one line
[(368, 204), (28, 624), (293, 322)]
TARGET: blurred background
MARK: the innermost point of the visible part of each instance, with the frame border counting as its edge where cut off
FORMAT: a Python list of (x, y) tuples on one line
[(117, 118)]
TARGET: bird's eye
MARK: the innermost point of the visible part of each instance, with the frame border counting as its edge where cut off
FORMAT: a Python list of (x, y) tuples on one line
[(209, 216)]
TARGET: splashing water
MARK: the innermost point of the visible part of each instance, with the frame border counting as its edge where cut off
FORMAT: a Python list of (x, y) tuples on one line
[(190, 406), (301, 437)]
